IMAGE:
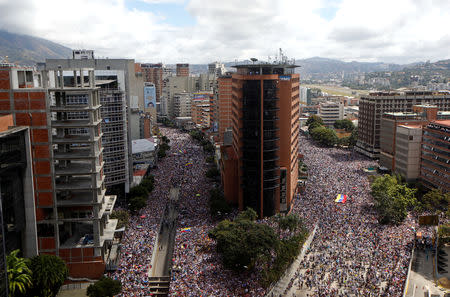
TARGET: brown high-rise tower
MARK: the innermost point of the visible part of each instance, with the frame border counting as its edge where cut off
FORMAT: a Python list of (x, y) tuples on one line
[(265, 122)]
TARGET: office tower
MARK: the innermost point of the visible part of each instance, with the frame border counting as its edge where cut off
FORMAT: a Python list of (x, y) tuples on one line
[(182, 69), (265, 123), (330, 112), (153, 73), (224, 105), (435, 158), (80, 214), (373, 106)]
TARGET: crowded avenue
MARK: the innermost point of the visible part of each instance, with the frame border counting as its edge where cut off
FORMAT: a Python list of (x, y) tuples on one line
[(350, 255)]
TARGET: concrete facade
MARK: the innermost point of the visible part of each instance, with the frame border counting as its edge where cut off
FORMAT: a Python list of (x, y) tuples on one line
[(330, 112), (373, 106)]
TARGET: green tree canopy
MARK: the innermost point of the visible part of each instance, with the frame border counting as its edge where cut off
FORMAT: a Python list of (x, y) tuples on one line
[(242, 242), (123, 216), (49, 273), (19, 275), (105, 287), (436, 200), (137, 203), (345, 124), (392, 199), (147, 184), (138, 191), (314, 118), (324, 135)]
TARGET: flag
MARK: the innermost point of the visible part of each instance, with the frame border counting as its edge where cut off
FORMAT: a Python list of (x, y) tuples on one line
[(340, 198)]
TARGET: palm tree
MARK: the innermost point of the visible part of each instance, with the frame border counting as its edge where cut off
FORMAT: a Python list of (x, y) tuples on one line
[(19, 275)]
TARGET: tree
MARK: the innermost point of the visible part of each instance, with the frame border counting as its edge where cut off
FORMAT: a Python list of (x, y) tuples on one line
[(123, 216), (19, 274), (105, 287), (147, 184), (137, 203), (138, 191), (436, 200), (161, 153), (242, 242), (313, 125), (291, 222), (49, 273), (345, 124), (392, 199), (324, 135), (314, 118), (212, 173), (248, 214)]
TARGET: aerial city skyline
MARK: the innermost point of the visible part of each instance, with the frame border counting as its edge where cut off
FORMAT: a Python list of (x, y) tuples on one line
[(194, 148)]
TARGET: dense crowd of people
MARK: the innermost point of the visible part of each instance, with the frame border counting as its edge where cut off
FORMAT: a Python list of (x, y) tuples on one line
[(350, 255)]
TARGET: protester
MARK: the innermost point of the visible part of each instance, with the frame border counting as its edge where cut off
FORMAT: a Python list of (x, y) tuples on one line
[(350, 255)]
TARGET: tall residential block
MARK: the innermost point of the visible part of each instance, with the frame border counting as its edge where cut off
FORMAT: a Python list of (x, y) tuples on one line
[(79, 216), (434, 170), (71, 207), (121, 75), (265, 123), (373, 106), (182, 69)]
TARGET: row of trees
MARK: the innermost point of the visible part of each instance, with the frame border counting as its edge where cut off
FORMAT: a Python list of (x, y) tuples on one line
[(394, 198), (198, 135), (245, 244), (217, 203), (138, 196), (163, 147), (328, 136), (40, 276)]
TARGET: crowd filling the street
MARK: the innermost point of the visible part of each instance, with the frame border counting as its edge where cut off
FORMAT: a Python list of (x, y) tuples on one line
[(351, 254)]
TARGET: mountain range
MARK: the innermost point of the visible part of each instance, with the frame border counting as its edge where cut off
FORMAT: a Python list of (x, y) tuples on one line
[(27, 50)]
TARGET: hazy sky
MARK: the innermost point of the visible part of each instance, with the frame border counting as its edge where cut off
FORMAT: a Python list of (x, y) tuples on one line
[(201, 31)]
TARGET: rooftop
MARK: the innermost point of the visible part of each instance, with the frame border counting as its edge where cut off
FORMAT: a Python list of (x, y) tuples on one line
[(142, 145)]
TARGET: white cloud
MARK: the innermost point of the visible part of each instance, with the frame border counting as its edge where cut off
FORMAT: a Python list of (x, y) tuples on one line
[(382, 30)]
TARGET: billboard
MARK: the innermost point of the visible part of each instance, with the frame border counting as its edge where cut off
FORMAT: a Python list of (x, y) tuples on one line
[(150, 96)]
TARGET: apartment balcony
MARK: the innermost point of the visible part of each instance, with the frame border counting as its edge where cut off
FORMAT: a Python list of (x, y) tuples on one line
[(69, 139), (81, 199), (77, 169), (75, 123), (77, 154), (79, 183), (84, 238), (72, 108)]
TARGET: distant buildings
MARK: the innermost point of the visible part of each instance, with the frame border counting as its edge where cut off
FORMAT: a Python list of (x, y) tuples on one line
[(435, 158), (217, 69), (182, 104), (330, 112), (182, 69), (260, 168), (373, 106), (153, 73)]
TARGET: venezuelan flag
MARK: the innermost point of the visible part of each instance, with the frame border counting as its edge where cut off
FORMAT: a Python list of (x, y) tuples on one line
[(340, 198)]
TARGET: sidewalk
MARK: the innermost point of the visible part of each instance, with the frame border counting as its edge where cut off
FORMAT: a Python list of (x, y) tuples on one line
[(279, 288)]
